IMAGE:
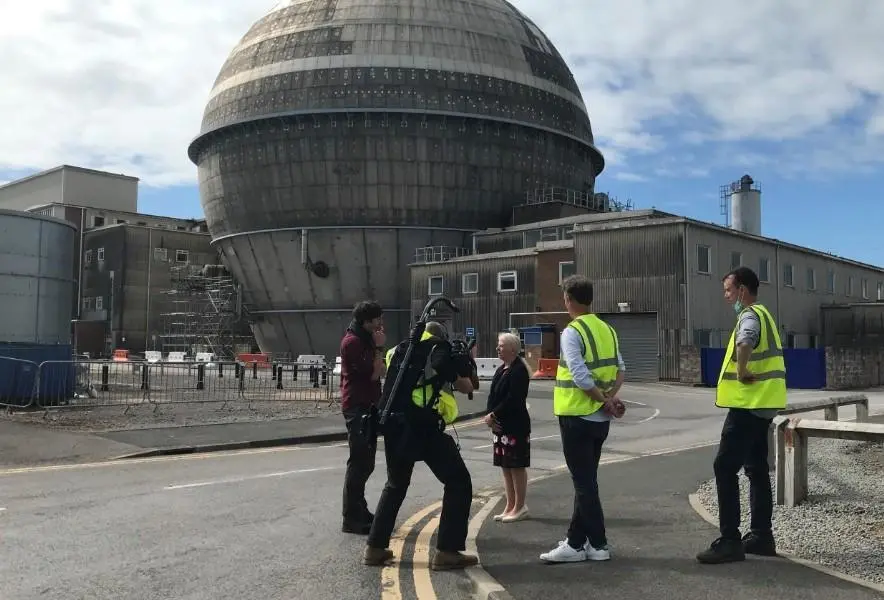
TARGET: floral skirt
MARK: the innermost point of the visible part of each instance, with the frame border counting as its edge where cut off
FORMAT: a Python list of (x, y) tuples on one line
[(511, 451)]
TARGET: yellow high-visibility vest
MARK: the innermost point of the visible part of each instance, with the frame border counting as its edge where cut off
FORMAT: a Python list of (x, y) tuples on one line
[(765, 363), (447, 405), (600, 355)]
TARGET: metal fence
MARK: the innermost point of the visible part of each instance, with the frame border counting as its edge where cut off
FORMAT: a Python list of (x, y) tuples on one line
[(100, 383)]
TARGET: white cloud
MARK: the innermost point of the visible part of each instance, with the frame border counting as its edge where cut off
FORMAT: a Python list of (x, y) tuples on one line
[(121, 84)]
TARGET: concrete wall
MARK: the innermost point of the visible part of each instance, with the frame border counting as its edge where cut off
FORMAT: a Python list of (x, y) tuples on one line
[(854, 368), (689, 368), (21, 195), (73, 185)]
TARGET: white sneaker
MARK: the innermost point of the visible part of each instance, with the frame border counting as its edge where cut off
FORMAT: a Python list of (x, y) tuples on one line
[(563, 553), (596, 553)]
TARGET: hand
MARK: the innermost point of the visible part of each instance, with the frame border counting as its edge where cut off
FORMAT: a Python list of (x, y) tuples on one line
[(746, 377), (492, 422), (614, 406), (379, 337)]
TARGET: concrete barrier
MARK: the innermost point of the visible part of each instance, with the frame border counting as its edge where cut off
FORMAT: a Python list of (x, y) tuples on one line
[(486, 367)]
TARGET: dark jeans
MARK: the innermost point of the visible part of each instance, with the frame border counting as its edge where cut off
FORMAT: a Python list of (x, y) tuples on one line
[(582, 442), (441, 455), (360, 466), (743, 444)]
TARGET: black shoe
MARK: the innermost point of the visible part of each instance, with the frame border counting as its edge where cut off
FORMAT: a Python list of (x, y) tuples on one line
[(762, 544), (722, 550), (357, 528)]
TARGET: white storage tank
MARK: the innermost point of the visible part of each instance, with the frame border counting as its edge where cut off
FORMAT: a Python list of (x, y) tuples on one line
[(746, 206), (37, 281)]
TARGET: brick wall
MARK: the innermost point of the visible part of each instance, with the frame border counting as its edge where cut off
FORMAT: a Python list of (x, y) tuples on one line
[(548, 294), (689, 365), (852, 368)]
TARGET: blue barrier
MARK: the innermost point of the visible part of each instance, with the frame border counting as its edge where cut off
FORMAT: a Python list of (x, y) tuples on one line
[(805, 367), (18, 372)]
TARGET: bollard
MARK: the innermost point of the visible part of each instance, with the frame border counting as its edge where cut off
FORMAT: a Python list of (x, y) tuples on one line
[(255, 370), (201, 376), (241, 375), (324, 375), (295, 371), (144, 377), (105, 372), (220, 370), (278, 377), (314, 375)]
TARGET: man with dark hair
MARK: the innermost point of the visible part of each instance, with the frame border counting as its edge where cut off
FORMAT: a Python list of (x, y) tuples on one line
[(585, 399), (362, 366), (752, 386)]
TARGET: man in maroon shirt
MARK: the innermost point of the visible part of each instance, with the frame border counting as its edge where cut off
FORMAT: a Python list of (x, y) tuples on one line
[(362, 366)]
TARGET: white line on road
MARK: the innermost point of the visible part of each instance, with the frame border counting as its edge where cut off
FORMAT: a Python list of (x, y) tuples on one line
[(247, 478), (2, 509)]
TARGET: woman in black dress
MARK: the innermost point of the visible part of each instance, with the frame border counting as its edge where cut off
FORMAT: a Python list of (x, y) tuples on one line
[(511, 425)]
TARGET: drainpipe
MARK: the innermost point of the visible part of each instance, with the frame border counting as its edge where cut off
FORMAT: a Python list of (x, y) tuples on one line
[(303, 246)]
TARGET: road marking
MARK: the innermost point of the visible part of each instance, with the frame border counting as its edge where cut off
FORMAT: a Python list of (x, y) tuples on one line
[(2, 509), (420, 564), (155, 459), (390, 589), (247, 478), (533, 439), (485, 583)]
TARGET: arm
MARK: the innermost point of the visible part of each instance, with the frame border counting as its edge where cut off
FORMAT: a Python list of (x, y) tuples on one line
[(621, 374), (572, 350), (441, 361), (379, 368), (748, 336)]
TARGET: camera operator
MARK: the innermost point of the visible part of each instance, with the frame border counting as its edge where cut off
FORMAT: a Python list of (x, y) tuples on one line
[(415, 432)]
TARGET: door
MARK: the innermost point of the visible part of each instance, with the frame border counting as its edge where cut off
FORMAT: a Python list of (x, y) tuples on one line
[(639, 344)]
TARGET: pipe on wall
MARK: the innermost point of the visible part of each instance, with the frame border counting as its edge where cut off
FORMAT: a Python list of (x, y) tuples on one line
[(147, 309), (304, 247)]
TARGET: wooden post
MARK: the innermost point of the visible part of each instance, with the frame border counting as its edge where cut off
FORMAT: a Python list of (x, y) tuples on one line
[(862, 410), (778, 427), (831, 413), (796, 465)]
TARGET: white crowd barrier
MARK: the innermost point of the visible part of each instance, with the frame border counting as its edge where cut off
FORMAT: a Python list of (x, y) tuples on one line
[(486, 367)]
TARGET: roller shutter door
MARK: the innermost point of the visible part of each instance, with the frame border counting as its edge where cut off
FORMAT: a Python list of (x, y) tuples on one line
[(639, 344)]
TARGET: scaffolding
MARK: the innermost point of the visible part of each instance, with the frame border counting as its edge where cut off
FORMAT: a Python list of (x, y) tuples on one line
[(204, 313)]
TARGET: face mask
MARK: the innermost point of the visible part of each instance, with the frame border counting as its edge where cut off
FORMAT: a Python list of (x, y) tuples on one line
[(738, 306)]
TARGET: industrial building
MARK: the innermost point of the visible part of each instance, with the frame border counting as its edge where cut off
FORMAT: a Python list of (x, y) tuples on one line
[(141, 282), (657, 279), (339, 137)]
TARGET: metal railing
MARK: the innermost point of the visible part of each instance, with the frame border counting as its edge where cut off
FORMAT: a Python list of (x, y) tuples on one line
[(103, 383)]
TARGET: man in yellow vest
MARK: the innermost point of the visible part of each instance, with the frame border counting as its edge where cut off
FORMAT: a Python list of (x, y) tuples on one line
[(415, 432), (752, 386), (588, 378)]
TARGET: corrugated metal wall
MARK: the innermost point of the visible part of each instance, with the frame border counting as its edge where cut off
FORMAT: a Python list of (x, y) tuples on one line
[(488, 310), (644, 266), (639, 339)]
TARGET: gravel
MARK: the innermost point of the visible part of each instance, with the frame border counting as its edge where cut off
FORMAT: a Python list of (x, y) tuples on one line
[(841, 525), (148, 415)]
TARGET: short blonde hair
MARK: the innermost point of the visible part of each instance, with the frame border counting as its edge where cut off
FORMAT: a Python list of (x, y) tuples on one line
[(512, 341)]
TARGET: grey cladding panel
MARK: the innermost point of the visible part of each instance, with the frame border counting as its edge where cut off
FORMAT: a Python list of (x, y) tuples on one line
[(639, 344)]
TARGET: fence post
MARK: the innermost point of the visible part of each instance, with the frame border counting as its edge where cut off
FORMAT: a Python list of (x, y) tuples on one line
[(241, 375), (277, 370), (295, 371), (201, 376), (862, 410), (255, 370), (314, 375), (145, 377), (324, 374), (831, 413), (796, 465), (105, 376), (220, 370), (779, 447)]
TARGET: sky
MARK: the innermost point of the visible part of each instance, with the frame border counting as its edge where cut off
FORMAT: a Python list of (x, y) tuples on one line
[(684, 96)]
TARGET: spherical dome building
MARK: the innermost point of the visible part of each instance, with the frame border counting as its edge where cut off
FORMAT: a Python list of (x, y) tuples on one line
[(342, 135)]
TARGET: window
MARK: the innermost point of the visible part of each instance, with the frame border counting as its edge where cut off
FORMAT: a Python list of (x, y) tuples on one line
[(99, 303), (830, 283), (787, 276), (811, 279), (98, 221), (850, 286), (142, 223), (736, 259), (881, 290), (87, 257), (100, 254), (181, 256), (434, 285), (160, 254), (704, 260), (566, 269), (506, 281), (531, 238), (864, 287), (470, 283), (764, 270), (87, 304), (120, 221)]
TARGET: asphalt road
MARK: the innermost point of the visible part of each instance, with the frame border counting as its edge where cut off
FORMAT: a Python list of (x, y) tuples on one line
[(266, 523)]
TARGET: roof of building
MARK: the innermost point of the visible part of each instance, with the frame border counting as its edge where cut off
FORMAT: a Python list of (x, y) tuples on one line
[(136, 225), (670, 219), (69, 168), (585, 218), (541, 247), (192, 220)]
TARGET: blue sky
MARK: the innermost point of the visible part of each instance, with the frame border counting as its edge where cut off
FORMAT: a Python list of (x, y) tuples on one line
[(684, 96)]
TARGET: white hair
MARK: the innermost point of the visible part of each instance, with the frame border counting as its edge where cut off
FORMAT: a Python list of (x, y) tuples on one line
[(512, 341)]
